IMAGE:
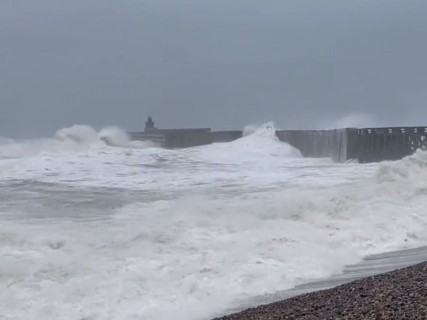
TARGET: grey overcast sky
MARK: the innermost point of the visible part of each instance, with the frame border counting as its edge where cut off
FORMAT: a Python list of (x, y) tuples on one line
[(210, 63)]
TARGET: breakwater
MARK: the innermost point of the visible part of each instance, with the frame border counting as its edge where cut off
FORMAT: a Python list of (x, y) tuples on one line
[(364, 145)]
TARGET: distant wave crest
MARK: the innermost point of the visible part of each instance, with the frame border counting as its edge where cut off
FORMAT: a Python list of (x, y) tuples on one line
[(71, 139)]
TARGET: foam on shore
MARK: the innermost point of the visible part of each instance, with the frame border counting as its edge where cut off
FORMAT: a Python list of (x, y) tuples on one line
[(400, 294), (370, 266)]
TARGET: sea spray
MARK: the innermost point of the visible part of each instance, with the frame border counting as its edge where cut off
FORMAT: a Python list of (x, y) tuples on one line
[(257, 143), (123, 233), (76, 138)]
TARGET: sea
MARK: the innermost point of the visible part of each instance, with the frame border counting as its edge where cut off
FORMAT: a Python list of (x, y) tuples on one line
[(95, 226)]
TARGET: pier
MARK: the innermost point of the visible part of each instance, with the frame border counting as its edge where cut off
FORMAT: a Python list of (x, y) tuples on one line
[(359, 144)]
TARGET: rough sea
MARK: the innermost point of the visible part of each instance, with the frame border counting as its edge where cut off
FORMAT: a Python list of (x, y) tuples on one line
[(94, 226)]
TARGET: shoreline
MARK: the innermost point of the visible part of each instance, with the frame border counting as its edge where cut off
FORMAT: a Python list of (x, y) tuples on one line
[(399, 294), (377, 276)]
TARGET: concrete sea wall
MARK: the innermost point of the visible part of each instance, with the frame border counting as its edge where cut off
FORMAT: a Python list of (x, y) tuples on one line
[(318, 143), (364, 145), (377, 144)]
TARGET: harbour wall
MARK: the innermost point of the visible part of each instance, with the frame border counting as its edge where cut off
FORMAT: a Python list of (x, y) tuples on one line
[(363, 145)]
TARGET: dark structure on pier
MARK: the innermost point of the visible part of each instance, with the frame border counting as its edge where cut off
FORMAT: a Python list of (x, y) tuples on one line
[(364, 145), (173, 138)]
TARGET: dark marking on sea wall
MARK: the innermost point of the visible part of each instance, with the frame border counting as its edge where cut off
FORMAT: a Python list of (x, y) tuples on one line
[(318, 143)]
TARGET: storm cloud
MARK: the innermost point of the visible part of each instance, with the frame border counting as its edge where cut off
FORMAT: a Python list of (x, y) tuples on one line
[(210, 63)]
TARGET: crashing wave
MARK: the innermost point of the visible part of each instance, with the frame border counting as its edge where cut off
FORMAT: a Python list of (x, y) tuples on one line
[(71, 139), (258, 143)]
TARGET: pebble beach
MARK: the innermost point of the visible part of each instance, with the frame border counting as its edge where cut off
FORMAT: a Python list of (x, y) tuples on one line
[(400, 294)]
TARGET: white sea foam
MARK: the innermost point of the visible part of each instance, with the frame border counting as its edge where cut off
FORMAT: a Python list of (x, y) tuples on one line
[(79, 134), (67, 140), (188, 233), (258, 143)]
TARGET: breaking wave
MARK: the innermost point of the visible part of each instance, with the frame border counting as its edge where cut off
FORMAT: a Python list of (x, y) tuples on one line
[(258, 142), (412, 168), (72, 139), (203, 245)]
